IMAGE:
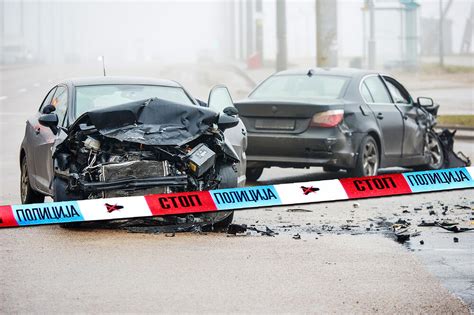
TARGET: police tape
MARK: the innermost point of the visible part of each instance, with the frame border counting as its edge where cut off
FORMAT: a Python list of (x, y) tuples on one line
[(236, 198)]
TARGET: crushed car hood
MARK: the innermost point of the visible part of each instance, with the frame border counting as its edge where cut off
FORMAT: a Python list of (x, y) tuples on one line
[(151, 122)]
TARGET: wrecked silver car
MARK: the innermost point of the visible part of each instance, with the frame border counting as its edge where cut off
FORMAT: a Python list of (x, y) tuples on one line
[(166, 142)]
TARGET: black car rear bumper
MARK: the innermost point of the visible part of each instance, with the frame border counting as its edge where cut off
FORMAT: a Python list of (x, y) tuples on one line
[(314, 147)]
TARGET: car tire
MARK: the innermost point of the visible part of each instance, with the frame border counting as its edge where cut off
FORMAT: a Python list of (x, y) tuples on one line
[(253, 174), (368, 159), (28, 194), (434, 147), (60, 194), (229, 179)]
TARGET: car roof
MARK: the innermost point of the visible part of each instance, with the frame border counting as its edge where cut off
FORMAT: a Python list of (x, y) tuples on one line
[(83, 81), (348, 72)]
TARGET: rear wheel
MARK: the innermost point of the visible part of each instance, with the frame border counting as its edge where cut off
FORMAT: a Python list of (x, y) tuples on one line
[(368, 158), (28, 194), (253, 174)]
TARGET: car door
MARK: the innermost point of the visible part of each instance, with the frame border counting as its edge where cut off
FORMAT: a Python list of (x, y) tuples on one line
[(387, 115), (45, 139), (413, 130), (219, 100), (32, 139)]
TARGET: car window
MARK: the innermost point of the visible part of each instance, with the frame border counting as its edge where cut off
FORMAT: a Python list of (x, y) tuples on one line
[(60, 102), (47, 99), (366, 93), (99, 96), (377, 90), (301, 87), (398, 96)]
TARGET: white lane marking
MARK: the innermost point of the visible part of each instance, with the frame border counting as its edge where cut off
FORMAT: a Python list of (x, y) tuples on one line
[(36, 84), (3, 97), (23, 90)]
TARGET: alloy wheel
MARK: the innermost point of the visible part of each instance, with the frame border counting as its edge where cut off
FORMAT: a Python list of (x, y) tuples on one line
[(370, 159)]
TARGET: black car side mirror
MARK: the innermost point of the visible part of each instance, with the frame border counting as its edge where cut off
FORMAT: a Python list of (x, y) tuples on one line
[(231, 111), (425, 101), (51, 121), (48, 109), (225, 122)]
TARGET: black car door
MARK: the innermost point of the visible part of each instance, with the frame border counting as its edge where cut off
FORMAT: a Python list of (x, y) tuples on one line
[(44, 141), (413, 130), (387, 115)]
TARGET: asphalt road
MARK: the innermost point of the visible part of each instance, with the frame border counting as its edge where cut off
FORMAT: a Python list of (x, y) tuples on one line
[(330, 269)]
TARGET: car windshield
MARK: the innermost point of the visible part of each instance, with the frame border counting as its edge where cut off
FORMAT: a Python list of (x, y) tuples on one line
[(99, 96), (301, 87)]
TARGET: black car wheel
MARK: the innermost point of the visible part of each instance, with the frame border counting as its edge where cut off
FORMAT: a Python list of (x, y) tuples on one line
[(28, 194), (253, 174), (434, 148), (368, 158)]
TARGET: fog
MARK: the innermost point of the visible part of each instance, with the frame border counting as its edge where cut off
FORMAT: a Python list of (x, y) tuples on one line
[(168, 32)]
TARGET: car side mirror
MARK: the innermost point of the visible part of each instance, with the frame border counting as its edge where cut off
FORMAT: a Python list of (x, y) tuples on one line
[(51, 121), (225, 122), (231, 111), (48, 109), (425, 101)]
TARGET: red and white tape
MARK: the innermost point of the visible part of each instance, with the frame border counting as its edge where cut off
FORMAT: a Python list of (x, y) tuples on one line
[(236, 198)]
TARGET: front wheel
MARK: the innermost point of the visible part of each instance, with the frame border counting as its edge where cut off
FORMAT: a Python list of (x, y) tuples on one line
[(253, 174), (28, 194), (368, 160), (434, 148)]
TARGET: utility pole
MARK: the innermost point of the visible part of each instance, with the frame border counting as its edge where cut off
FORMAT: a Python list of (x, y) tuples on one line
[(281, 58), (372, 47), (441, 42), (2, 30), (241, 28), (326, 33), (249, 24), (442, 14)]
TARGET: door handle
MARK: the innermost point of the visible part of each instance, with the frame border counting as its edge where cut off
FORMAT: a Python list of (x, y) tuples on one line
[(380, 116), (37, 131)]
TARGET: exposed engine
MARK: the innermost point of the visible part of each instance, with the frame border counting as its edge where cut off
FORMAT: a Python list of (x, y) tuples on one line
[(92, 163)]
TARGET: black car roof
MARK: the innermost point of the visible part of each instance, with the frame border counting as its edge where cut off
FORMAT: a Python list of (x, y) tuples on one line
[(119, 80), (348, 72)]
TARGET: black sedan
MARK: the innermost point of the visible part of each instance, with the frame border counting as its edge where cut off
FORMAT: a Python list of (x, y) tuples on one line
[(348, 119)]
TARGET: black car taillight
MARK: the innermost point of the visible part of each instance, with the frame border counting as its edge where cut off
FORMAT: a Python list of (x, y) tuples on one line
[(328, 119)]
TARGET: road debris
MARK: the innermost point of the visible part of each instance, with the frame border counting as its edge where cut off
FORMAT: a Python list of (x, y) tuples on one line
[(456, 240), (298, 210), (235, 229), (455, 228), (297, 236), (356, 205)]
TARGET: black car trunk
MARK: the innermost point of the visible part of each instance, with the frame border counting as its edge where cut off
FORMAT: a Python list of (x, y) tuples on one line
[(282, 116)]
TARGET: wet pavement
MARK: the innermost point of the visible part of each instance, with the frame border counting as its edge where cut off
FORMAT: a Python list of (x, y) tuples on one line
[(334, 257)]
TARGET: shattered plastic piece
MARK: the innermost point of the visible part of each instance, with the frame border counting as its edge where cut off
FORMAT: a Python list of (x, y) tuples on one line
[(422, 242), (356, 205), (170, 234), (236, 229), (297, 236), (432, 212), (455, 228), (298, 210), (456, 240)]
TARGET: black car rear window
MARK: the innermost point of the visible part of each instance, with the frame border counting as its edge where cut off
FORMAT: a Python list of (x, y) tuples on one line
[(301, 87)]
